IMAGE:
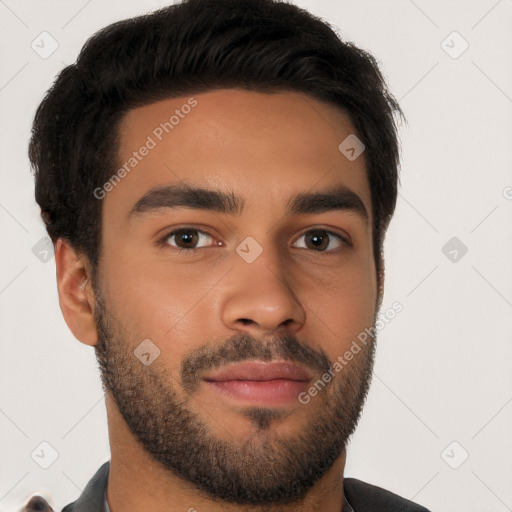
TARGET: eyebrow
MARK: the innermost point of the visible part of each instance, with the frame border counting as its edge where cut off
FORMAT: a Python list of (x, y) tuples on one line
[(189, 196)]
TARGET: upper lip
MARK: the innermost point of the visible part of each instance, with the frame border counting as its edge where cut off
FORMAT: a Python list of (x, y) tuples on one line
[(260, 371)]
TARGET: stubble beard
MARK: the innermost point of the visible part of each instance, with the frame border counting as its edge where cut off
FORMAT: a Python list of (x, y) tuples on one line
[(265, 469)]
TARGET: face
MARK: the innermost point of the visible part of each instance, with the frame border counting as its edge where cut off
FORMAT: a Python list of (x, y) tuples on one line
[(236, 268)]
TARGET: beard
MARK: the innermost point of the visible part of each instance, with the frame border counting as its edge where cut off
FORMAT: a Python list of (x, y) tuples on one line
[(260, 470)]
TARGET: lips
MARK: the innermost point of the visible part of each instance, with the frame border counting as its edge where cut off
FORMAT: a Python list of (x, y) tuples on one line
[(260, 372)]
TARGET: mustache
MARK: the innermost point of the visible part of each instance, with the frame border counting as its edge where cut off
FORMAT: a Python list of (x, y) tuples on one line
[(243, 347)]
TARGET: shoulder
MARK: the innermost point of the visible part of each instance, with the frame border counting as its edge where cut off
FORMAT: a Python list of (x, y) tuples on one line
[(365, 497)]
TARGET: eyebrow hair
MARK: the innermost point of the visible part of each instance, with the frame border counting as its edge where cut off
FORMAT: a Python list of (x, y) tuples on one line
[(185, 195)]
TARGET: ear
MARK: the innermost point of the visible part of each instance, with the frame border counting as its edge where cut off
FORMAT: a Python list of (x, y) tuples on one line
[(76, 295)]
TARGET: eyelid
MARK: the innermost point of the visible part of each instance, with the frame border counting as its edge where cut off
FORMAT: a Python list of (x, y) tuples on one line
[(162, 241)]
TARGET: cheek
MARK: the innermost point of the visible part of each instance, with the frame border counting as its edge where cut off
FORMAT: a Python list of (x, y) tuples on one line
[(344, 311), (341, 309), (171, 307)]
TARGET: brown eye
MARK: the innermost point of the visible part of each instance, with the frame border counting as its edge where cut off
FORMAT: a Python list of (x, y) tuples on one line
[(185, 239), (320, 240)]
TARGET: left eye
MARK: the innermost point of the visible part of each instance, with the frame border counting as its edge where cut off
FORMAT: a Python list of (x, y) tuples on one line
[(321, 238)]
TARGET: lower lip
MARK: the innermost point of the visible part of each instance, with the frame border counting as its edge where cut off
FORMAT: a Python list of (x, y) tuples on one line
[(273, 392)]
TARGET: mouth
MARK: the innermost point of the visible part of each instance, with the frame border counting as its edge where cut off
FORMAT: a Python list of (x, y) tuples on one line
[(259, 382)]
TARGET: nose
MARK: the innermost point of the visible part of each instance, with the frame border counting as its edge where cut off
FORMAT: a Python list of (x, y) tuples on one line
[(260, 299)]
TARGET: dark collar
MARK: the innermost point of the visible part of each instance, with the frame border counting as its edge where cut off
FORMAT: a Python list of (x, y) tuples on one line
[(92, 498)]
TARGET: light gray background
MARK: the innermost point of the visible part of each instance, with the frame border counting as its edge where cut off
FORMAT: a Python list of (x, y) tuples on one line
[(443, 370)]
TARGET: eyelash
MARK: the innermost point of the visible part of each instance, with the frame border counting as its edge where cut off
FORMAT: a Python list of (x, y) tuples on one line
[(162, 242)]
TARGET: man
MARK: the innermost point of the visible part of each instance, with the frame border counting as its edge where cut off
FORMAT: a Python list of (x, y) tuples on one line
[(217, 178)]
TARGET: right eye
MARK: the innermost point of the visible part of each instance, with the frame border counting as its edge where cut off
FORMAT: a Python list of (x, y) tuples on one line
[(184, 237)]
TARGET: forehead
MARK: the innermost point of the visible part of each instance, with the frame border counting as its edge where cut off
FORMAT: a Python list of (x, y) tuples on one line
[(267, 146)]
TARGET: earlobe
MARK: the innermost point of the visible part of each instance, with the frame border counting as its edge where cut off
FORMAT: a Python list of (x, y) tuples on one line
[(76, 295)]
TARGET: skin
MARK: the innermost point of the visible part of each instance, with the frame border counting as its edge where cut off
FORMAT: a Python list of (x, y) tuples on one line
[(266, 148)]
